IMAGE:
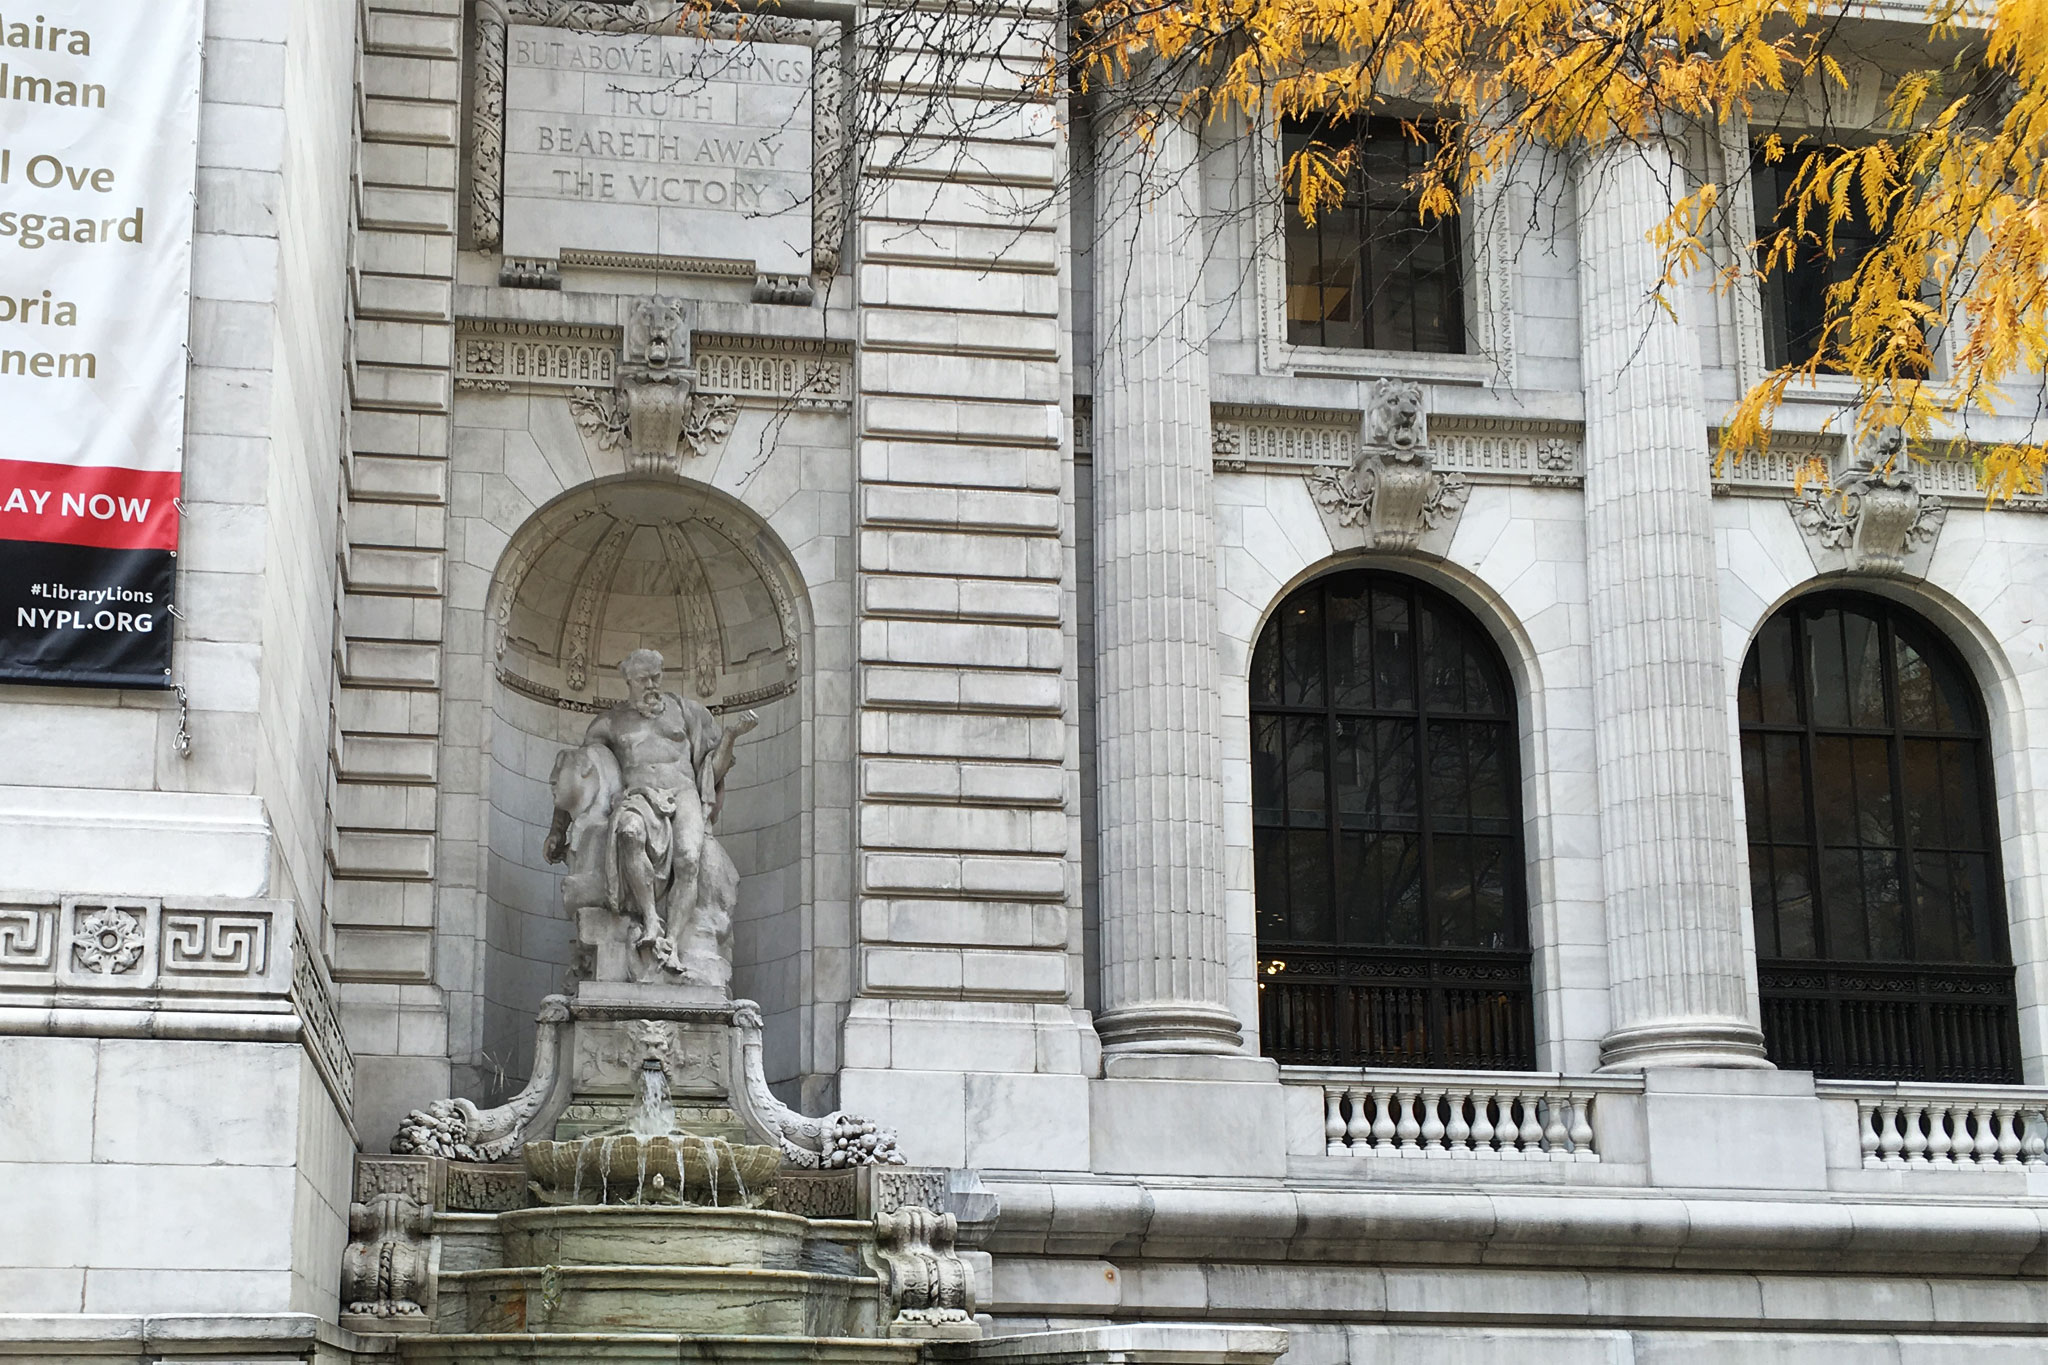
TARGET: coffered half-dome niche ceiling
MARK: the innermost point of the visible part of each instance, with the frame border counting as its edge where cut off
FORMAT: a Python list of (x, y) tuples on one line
[(640, 564)]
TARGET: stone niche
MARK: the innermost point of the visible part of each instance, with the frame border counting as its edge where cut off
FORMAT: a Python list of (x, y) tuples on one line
[(615, 566), (606, 138)]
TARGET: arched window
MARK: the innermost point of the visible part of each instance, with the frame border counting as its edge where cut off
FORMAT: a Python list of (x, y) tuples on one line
[(1873, 849), (1387, 832)]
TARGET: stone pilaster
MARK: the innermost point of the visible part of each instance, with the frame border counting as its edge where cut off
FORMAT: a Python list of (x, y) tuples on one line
[(1157, 702), (1676, 947), (967, 988)]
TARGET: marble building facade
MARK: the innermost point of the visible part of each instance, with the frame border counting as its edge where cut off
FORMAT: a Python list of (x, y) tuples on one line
[(985, 468)]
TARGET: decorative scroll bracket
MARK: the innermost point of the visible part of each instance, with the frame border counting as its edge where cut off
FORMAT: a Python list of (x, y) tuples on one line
[(387, 1269), (927, 1283), (655, 413), (1874, 519), (1392, 491)]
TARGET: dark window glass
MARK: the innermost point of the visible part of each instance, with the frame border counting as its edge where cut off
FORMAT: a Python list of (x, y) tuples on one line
[(1873, 878), (1386, 814), (1795, 295), (1369, 274)]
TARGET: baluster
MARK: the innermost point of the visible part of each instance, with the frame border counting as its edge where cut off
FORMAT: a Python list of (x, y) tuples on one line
[(1891, 1132), (1556, 1136), (1582, 1128), (1910, 1116), (1939, 1143), (1866, 1131), (1458, 1135), (1532, 1129), (1357, 1128), (1508, 1128), (1383, 1120), (1987, 1137), (1333, 1122), (1432, 1123), (2034, 1139), (1482, 1126), (1405, 1127), (2008, 1135)]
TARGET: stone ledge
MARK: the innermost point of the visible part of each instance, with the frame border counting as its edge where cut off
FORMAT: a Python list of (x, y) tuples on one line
[(1523, 1299), (1546, 1227), (41, 1335), (1130, 1344)]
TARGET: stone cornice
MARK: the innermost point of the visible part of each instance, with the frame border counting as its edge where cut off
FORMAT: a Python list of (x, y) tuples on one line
[(168, 967)]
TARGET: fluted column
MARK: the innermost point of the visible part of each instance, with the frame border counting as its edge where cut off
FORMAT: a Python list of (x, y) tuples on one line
[(1667, 819), (1158, 714)]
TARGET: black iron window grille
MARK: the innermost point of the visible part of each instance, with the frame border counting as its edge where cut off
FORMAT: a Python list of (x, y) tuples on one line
[(1369, 274), (1873, 850), (1387, 833)]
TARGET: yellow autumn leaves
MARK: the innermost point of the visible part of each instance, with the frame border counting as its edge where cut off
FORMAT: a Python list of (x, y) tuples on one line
[(1948, 179)]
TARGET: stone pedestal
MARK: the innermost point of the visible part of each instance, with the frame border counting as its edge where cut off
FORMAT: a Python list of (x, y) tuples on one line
[(1676, 948), (1157, 704)]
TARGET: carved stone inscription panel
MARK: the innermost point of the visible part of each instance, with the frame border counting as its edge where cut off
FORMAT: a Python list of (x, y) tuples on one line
[(658, 145)]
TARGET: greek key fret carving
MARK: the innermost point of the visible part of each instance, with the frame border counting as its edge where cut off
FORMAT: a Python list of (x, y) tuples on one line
[(230, 944), (28, 938), (322, 1033)]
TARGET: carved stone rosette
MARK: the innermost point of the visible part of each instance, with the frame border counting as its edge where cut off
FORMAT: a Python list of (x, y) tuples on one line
[(108, 941), (1875, 514)]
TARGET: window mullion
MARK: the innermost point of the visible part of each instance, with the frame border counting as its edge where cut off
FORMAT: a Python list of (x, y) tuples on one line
[(1333, 818), (1802, 686), (1902, 830)]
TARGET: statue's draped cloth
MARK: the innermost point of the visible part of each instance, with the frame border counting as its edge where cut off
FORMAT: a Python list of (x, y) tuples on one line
[(656, 811)]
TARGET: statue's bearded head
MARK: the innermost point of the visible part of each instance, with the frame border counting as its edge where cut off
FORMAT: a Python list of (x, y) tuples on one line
[(642, 672)]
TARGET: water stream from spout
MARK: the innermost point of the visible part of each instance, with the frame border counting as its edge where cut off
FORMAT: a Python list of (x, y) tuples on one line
[(653, 1118)]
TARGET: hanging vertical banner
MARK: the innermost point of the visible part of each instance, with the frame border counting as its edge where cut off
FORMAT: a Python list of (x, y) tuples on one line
[(99, 132)]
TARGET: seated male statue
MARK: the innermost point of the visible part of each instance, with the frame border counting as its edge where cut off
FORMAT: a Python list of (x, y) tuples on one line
[(634, 806)]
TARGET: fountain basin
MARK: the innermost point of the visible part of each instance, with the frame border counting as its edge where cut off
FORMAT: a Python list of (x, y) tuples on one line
[(627, 1234), (661, 1169), (706, 1301), (619, 1348)]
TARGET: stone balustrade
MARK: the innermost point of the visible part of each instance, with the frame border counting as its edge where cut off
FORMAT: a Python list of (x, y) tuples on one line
[(1464, 1115), (1937, 1127)]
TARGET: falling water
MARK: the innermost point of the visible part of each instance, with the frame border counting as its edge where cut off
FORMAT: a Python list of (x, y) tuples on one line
[(646, 1145), (576, 1184), (653, 1115), (711, 1146), (739, 1178)]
